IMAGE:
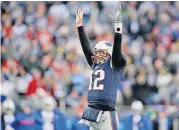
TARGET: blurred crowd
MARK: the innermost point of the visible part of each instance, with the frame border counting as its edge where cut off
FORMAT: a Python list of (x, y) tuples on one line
[(41, 55)]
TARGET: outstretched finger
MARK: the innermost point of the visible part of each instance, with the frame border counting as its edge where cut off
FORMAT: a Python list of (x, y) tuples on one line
[(80, 10), (77, 11)]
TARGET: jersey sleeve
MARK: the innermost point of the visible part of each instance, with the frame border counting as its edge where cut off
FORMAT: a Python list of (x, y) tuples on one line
[(85, 45), (118, 59)]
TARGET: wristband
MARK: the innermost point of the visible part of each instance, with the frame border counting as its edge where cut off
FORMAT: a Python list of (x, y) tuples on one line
[(118, 27)]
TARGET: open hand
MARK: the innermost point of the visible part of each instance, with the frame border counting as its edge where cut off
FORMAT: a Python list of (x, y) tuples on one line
[(79, 17)]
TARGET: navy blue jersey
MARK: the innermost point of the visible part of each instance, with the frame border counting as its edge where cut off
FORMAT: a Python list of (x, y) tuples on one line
[(104, 82), (104, 79)]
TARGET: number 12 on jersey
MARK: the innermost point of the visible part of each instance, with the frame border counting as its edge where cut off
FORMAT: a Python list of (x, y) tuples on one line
[(97, 86)]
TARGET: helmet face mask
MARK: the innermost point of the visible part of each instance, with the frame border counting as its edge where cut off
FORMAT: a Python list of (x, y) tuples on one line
[(100, 56), (102, 51)]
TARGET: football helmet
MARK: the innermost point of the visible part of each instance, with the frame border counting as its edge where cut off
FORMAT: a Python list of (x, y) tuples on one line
[(49, 103), (137, 107), (8, 106), (102, 51)]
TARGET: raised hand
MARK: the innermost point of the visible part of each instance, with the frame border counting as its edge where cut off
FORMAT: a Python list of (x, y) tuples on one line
[(118, 15), (79, 17), (118, 20)]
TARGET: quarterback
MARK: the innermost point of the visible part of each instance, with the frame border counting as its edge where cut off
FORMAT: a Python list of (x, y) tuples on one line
[(107, 64)]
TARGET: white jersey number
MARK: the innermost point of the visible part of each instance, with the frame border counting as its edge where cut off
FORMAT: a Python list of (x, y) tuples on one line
[(101, 74)]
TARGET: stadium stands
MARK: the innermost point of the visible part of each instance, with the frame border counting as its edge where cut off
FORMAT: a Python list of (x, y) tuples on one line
[(41, 55)]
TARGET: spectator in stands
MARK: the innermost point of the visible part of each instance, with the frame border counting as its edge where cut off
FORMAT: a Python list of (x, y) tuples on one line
[(35, 83), (141, 89), (23, 80), (138, 120), (26, 120), (52, 118)]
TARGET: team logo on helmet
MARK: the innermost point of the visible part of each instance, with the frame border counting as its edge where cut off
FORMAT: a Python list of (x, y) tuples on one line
[(108, 44)]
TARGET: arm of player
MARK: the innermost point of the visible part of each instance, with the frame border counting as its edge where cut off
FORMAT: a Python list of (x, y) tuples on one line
[(83, 38), (118, 60)]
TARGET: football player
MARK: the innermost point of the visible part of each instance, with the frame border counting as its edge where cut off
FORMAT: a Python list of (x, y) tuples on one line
[(107, 63), (138, 119)]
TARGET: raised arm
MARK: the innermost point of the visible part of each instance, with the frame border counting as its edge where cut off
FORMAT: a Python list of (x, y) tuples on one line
[(118, 59), (82, 36)]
